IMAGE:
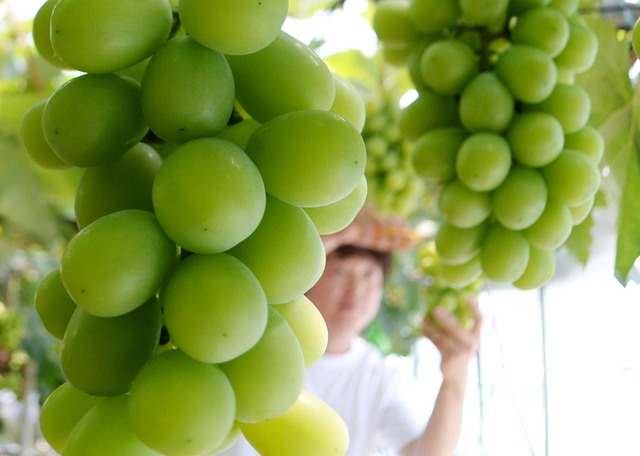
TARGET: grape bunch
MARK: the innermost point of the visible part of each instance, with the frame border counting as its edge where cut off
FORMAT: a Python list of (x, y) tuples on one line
[(393, 186), (214, 149), (500, 125)]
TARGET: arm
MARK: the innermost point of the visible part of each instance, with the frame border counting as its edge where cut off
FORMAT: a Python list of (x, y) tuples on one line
[(457, 347)]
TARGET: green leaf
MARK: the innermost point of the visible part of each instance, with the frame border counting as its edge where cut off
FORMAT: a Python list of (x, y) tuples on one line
[(628, 242)]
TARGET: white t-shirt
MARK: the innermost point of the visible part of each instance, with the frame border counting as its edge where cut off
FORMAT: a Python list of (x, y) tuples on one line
[(379, 401)]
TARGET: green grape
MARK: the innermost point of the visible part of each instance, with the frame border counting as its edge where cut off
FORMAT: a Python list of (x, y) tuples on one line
[(416, 49), (570, 104), (214, 307), (581, 49), (462, 207), (587, 140), (181, 406), (540, 269), (483, 161), (517, 7), (521, 198), (123, 184), (392, 22), (428, 111), (336, 216), (486, 104), (102, 37), (101, 356), (284, 252), (239, 132), (105, 431), (308, 325), (504, 254), (529, 72), (117, 263), (215, 23), (458, 245), (432, 16), (580, 212), (208, 195), (490, 13), (572, 178), (60, 413), (535, 138), (187, 91), (545, 28), (310, 427), (330, 166), (434, 153), (447, 65), (567, 7), (276, 364), (94, 118), (348, 103), (460, 275), (298, 79), (53, 304), (34, 141), (552, 228), (41, 32)]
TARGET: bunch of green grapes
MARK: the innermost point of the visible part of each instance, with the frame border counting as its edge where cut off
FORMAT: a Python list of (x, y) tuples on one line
[(500, 124), (393, 185), (212, 162)]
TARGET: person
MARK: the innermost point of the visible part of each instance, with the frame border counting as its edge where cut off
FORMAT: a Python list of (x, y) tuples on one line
[(382, 407)]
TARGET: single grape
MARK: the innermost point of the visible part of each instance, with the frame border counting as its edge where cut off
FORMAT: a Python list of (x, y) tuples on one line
[(529, 72), (463, 207), (504, 254), (447, 65), (310, 427), (392, 22), (432, 16), (208, 195), (187, 91), (572, 178), (94, 118), (581, 49), (458, 245), (428, 111), (348, 102), (41, 31), (308, 158), (101, 356), (520, 199), (587, 140), (552, 228), (486, 104), (535, 138), (178, 405), (483, 161), (545, 28), (570, 104), (434, 153), (117, 263), (214, 307), (297, 79), (103, 37), (215, 23)]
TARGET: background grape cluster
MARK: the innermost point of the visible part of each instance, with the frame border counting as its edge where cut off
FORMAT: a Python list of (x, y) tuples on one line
[(500, 127), (212, 161)]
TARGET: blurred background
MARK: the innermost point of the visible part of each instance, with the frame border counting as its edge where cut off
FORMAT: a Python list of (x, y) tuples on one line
[(558, 372)]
